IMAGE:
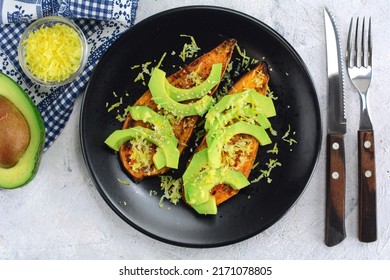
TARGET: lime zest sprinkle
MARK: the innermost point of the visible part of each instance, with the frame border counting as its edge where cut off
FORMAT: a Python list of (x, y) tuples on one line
[(273, 131), (272, 163), (152, 193), (255, 165), (115, 105), (141, 154), (271, 94), (161, 60), (274, 150), (172, 189), (245, 59), (144, 70), (123, 181), (290, 140), (189, 49), (122, 118)]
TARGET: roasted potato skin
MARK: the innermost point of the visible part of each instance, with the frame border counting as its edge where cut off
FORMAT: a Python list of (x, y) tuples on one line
[(184, 129), (256, 79)]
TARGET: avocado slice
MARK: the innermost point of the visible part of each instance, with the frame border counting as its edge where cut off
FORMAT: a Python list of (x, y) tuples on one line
[(182, 94), (171, 153), (199, 179), (246, 114), (161, 125), (216, 144), (162, 136), (237, 102), (21, 145), (159, 160), (161, 97), (198, 191), (207, 208)]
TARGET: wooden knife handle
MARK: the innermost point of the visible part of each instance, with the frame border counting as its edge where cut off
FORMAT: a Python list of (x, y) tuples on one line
[(367, 187), (335, 191)]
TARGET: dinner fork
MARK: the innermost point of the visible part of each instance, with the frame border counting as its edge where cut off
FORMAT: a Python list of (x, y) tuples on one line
[(359, 64)]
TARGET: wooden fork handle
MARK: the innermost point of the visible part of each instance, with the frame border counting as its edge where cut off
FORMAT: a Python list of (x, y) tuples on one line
[(335, 190), (367, 186)]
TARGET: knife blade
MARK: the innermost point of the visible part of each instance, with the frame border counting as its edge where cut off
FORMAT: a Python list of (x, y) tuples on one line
[(337, 126)]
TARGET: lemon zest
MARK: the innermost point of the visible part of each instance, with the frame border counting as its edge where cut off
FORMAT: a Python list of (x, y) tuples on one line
[(171, 188), (53, 53)]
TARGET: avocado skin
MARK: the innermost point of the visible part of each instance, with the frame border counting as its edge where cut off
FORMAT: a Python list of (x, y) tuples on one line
[(26, 168)]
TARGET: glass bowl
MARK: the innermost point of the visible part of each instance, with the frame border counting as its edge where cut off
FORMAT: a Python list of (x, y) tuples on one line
[(50, 22)]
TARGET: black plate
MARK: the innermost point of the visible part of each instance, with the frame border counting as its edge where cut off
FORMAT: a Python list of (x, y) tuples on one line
[(255, 208)]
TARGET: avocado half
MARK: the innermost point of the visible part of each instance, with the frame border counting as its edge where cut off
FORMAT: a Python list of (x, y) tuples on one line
[(24, 170)]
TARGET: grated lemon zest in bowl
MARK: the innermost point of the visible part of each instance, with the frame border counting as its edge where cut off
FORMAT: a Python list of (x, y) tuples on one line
[(53, 53)]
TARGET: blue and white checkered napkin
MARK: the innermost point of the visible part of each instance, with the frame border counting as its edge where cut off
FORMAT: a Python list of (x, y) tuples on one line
[(102, 23)]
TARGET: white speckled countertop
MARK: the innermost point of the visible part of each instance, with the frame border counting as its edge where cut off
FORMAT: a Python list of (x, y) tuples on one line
[(60, 214)]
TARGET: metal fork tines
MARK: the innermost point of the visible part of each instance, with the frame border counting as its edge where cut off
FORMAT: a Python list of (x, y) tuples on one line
[(359, 64), (359, 61)]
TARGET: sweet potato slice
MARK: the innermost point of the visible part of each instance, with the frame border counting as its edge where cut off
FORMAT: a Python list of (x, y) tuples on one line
[(256, 79), (184, 128)]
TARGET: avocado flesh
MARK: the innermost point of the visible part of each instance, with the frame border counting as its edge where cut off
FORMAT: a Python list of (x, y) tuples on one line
[(199, 179), (159, 160), (118, 137), (238, 101), (160, 123), (157, 87), (24, 170), (182, 94), (216, 144), (198, 192), (207, 208), (246, 114), (162, 136)]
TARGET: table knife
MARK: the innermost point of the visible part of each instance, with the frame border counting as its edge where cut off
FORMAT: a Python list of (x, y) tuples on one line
[(335, 166)]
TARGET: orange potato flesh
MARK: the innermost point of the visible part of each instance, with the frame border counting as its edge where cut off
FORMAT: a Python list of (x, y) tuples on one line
[(184, 128), (256, 79)]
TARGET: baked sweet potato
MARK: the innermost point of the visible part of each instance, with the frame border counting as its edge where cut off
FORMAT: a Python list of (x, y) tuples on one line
[(182, 128), (242, 161)]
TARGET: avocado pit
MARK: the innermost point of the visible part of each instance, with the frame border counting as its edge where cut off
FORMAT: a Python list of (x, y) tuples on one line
[(14, 134)]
